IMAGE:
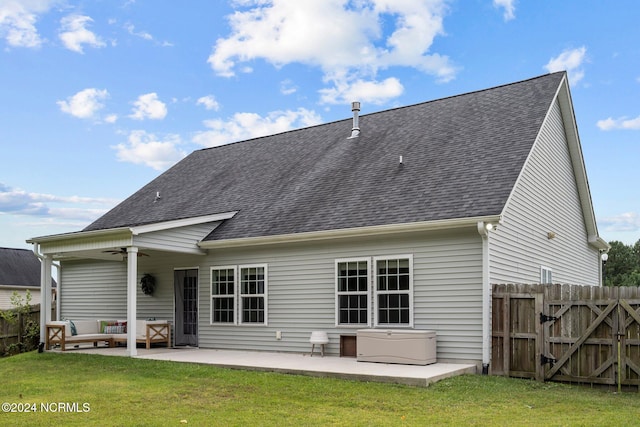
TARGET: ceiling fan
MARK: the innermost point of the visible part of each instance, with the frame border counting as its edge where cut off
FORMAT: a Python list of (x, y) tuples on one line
[(122, 251)]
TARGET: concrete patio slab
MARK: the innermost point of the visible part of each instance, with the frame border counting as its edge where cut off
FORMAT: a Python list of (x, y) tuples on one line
[(300, 364)]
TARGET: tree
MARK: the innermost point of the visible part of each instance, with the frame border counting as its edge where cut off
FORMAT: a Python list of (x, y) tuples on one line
[(21, 320), (623, 265)]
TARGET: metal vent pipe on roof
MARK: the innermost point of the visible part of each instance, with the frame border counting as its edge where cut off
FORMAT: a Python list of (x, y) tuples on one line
[(355, 131)]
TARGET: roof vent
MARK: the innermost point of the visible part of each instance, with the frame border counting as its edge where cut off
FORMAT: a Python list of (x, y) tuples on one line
[(355, 131)]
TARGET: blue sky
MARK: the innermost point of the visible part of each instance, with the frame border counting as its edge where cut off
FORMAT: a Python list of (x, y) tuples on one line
[(99, 97)]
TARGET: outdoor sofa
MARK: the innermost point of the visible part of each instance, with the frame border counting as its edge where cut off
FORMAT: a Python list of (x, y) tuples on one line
[(110, 332)]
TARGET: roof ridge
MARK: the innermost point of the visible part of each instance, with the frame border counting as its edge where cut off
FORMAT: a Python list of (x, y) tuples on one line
[(474, 92), (387, 110)]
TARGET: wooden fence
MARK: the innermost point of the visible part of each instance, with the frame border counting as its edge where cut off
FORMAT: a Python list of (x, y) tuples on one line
[(13, 333), (583, 334)]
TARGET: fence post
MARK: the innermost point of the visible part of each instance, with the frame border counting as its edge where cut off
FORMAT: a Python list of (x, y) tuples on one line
[(539, 307)]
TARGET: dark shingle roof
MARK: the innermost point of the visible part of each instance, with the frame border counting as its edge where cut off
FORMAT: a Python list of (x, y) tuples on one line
[(19, 267), (462, 156)]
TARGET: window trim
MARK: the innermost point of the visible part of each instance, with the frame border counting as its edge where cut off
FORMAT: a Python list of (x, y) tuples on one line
[(235, 294), (374, 287), (544, 272), (263, 295), (337, 294)]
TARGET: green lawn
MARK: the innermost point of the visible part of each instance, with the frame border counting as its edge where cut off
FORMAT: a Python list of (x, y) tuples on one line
[(118, 391)]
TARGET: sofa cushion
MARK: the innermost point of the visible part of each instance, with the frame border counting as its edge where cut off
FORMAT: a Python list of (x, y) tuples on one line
[(84, 327)]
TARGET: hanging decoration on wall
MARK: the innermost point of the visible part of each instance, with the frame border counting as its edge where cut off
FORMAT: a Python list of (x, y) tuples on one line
[(148, 284)]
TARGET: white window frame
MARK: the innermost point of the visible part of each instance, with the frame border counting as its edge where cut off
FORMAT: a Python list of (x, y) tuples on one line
[(546, 275), (235, 294), (263, 295), (376, 293), (338, 293)]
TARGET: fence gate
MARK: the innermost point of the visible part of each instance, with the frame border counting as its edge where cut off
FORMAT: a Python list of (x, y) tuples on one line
[(567, 333)]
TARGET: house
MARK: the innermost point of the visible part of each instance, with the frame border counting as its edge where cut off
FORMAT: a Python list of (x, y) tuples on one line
[(19, 272), (396, 219)]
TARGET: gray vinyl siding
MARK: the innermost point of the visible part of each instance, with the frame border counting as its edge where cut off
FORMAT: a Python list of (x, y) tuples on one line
[(301, 292), (447, 292), (93, 290), (545, 200), (98, 289), (7, 293), (176, 239)]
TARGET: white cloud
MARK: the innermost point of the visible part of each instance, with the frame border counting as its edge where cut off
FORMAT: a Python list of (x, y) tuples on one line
[(74, 33), (147, 149), (19, 202), (628, 221), (131, 29), (84, 104), (148, 106), (343, 38), (244, 126), (287, 87), (111, 118), (365, 91), (17, 21), (209, 102), (509, 7), (571, 61), (619, 123)]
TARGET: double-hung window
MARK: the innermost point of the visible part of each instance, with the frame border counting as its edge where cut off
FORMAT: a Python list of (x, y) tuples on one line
[(546, 276), (378, 290), (223, 295), (394, 291), (253, 294), (239, 294), (352, 292)]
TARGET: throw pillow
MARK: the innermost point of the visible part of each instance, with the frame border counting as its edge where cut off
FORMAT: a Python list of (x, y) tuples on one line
[(124, 325), (104, 324), (114, 329), (74, 331)]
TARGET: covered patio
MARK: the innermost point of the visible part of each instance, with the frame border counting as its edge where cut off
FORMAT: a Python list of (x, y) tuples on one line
[(299, 364)]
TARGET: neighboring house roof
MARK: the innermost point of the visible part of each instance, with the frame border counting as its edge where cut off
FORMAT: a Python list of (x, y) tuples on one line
[(461, 157), (19, 268)]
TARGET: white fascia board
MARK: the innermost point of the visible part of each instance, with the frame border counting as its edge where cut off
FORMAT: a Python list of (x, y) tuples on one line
[(577, 158), (167, 225), (80, 235), (351, 232), (124, 235)]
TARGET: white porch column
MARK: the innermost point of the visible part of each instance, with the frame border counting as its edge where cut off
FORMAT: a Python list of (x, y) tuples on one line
[(45, 295), (132, 275)]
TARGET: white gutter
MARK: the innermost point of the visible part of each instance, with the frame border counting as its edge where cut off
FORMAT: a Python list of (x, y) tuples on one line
[(350, 232)]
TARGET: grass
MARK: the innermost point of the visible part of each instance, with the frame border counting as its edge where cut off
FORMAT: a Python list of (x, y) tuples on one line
[(133, 392)]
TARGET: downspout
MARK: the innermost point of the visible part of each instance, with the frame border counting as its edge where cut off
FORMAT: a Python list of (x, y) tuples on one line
[(484, 230), (45, 293)]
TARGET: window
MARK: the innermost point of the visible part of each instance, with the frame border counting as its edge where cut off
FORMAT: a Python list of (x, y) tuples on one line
[(223, 299), (546, 276), (239, 294), (253, 294), (391, 288), (393, 291), (352, 293)]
